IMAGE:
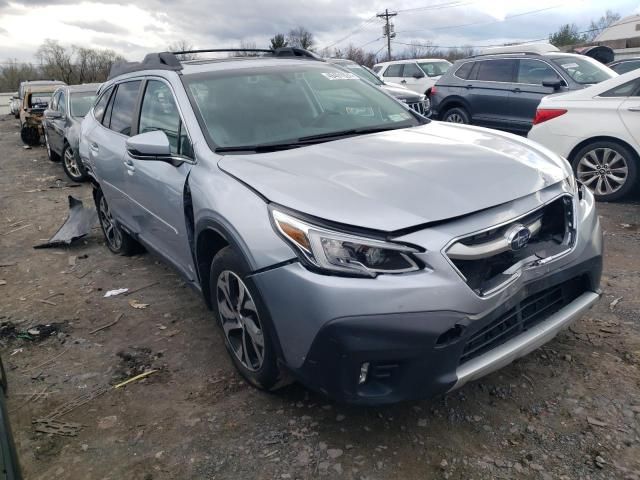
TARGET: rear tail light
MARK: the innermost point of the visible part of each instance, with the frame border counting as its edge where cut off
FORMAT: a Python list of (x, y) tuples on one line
[(432, 92), (544, 114)]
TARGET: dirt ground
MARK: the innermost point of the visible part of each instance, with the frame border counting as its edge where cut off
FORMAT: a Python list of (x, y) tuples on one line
[(571, 410)]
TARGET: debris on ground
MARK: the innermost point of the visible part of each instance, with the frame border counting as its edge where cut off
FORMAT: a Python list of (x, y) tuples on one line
[(117, 291), (137, 304), (136, 378), (40, 332), (99, 329), (77, 225), (57, 427), (613, 304), (134, 361), (3, 282)]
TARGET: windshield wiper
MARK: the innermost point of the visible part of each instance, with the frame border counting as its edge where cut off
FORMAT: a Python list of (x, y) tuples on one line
[(346, 133), (302, 141)]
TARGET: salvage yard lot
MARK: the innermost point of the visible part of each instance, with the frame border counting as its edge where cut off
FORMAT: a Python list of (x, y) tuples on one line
[(570, 410)]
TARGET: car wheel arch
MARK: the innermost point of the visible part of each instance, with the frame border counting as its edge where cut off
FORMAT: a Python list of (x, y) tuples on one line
[(455, 102), (602, 138)]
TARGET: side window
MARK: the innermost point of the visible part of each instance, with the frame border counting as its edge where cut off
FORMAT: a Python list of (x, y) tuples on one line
[(496, 70), (159, 112), (377, 68), (625, 67), (62, 103), (123, 106), (393, 71), (54, 101), (101, 104), (464, 70), (411, 70), (534, 72), (629, 89)]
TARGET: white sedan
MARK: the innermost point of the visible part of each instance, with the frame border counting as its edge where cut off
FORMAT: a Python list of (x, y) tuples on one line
[(598, 130)]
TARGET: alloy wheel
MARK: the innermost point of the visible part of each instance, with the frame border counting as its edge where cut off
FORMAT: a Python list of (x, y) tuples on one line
[(71, 163), (603, 170), (455, 118), (111, 230), (240, 320)]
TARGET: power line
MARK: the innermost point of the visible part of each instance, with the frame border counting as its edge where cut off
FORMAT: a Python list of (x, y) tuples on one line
[(360, 27), (439, 6), (483, 22)]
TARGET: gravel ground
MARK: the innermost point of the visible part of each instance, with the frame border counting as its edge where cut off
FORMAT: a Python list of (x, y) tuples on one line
[(570, 410)]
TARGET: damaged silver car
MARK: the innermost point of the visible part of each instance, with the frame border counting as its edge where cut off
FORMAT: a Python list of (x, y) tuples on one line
[(339, 238)]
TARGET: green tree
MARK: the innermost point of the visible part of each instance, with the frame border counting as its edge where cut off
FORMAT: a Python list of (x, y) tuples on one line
[(278, 41), (567, 34)]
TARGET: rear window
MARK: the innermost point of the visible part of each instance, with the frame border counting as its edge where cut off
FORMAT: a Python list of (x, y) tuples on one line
[(629, 89), (625, 67), (584, 70), (496, 70), (98, 110), (464, 70), (123, 107)]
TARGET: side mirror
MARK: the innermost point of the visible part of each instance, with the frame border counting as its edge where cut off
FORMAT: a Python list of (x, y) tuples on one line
[(153, 146), (418, 75), (553, 83), (52, 114)]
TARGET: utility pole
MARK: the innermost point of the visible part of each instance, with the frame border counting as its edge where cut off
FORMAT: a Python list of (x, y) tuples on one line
[(388, 29)]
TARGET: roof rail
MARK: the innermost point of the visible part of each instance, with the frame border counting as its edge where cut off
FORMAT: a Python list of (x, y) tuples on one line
[(169, 60), (534, 54)]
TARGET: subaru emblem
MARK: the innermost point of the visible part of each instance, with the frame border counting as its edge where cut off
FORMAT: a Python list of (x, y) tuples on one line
[(518, 237)]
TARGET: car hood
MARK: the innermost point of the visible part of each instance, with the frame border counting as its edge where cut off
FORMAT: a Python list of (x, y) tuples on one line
[(398, 179), (401, 92)]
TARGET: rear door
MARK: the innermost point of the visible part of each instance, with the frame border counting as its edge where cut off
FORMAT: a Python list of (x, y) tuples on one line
[(156, 188), (629, 110), (489, 92), (107, 147), (393, 73), (56, 133), (528, 91)]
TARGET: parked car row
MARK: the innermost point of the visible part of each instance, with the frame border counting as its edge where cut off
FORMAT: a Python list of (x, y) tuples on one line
[(340, 238)]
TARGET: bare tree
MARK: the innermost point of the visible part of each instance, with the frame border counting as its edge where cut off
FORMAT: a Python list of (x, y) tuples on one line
[(597, 26), (300, 37), (247, 46), (91, 65), (182, 46), (13, 72), (55, 61)]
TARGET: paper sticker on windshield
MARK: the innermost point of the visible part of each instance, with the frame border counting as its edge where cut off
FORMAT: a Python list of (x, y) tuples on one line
[(570, 65), (341, 76), (399, 117)]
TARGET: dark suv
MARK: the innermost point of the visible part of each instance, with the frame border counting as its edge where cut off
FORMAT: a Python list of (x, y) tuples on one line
[(503, 90)]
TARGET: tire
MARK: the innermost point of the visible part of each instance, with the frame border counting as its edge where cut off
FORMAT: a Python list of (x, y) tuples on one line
[(30, 136), (456, 115), (117, 240), (609, 169), (53, 156), (72, 165), (226, 280)]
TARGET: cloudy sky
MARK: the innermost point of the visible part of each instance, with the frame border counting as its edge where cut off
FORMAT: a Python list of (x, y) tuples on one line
[(150, 25)]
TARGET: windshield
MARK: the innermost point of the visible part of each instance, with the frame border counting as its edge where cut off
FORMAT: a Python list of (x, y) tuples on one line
[(270, 105), (81, 103), (434, 69), (584, 70), (40, 99), (362, 73)]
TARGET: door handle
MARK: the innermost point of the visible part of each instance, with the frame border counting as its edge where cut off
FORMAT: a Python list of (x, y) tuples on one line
[(129, 163), (634, 109), (516, 90), (469, 86), (403, 81)]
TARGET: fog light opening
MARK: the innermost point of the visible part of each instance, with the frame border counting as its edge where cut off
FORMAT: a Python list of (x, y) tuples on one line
[(364, 373)]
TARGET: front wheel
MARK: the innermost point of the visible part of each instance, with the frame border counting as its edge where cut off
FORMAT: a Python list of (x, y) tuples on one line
[(72, 165), (118, 241), (456, 115), (608, 169), (248, 337)]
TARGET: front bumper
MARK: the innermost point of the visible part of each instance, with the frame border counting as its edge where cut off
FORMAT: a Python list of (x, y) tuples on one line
[(413, 330)]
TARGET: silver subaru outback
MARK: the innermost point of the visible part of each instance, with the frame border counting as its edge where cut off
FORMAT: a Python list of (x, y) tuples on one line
[(339, 238)]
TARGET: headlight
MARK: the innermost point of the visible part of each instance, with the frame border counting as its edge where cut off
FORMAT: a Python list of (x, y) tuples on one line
[(344, 253)]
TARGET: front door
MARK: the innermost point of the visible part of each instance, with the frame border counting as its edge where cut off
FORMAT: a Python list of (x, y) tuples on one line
[(156, 188), (413, 78)]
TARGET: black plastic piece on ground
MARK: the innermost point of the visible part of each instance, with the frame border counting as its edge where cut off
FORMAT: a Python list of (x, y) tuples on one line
[(78, 224)]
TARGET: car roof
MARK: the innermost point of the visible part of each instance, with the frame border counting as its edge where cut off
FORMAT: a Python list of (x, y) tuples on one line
[(85, 87), (411, 60), (42, 82)]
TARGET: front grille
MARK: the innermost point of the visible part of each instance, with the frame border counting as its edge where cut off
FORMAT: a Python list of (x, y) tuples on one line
[(418, 107), (486, 261), (529, 312)]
